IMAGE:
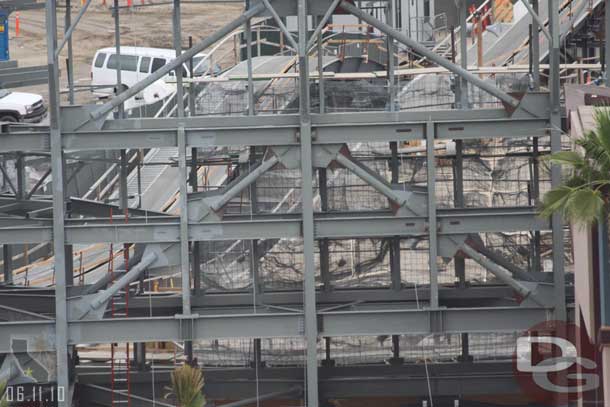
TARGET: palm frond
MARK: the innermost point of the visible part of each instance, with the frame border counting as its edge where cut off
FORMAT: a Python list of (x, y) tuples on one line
[(569, 158), (596, 143), (585, 192), (602, 120), (556, 201), (578, 205), (584, 206)]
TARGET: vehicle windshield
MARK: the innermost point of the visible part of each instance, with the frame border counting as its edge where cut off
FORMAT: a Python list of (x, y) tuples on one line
[(4, 92)]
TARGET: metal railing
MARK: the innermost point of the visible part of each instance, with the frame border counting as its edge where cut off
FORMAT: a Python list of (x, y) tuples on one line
[(429, 29), (443, 47)]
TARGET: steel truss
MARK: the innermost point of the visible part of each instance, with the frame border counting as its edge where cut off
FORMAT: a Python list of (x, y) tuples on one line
[(87, 128)]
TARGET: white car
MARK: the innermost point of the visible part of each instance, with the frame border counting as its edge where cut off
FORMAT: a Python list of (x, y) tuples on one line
[(21, 107)]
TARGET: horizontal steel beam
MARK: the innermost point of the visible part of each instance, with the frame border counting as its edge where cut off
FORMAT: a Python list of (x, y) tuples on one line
[(448, 295), (25, 76), (87, 207), (349, 225), (42, 301), (408, 380), (25, 141), (233, 323), (423, 321), (283, 130), (16, 5)]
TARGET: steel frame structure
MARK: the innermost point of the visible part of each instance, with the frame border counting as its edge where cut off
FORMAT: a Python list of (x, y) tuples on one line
[(82, 128)]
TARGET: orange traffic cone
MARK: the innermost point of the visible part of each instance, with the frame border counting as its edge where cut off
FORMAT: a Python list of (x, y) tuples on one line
[(17, 24)]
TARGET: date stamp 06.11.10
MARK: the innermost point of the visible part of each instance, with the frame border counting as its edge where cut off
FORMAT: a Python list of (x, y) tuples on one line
[(35, 395)]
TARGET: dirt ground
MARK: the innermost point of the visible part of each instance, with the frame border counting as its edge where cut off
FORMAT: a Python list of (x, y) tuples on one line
[(149, 26)]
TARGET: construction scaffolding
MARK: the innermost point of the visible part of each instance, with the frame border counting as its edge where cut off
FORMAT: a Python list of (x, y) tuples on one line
[(347, 218)]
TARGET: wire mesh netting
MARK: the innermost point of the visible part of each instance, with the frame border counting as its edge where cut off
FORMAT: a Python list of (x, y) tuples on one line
[(242, 352), (496, 173), (357, 350)]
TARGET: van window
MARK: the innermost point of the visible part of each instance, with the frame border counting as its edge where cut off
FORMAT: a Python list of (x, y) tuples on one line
[(99, 60), (157, 64), (128, 62), (112, 62), (145, 64)]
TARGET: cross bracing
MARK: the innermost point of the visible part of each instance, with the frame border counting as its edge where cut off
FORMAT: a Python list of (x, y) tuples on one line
[(291, 190)]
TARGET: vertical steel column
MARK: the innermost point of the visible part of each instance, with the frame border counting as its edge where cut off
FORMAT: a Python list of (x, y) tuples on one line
[(191, 95), (117, 43), (328, 361), (177, 39), (321, 93), (254, 265), (555, 118), (139, 353), (195, 246), (61, 310), (70, 61), (535, 47), (140, 155), (7, 263), (257, 353), (396, 360), (69, 265), (395, 276), (458, 169), (323, 243), (248, 30), (463, 15), (20, 166), (536, 200), (182, 176), (459, 261), (252, 188), (193, 181), (254, 252), (179, 72), (309, 271), (390, 18), (123, 191), (196, 268), (458, 180), (458, 201), (432, 230), (465, 356)]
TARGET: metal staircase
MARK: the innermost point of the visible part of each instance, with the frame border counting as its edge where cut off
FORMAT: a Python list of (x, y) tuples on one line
[(157, 162)]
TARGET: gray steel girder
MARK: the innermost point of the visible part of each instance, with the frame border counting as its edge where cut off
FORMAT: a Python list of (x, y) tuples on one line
[(332, 226), (269, 325)]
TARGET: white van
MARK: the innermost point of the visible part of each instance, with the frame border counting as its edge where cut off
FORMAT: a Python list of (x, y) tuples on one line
[(136, 64)]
